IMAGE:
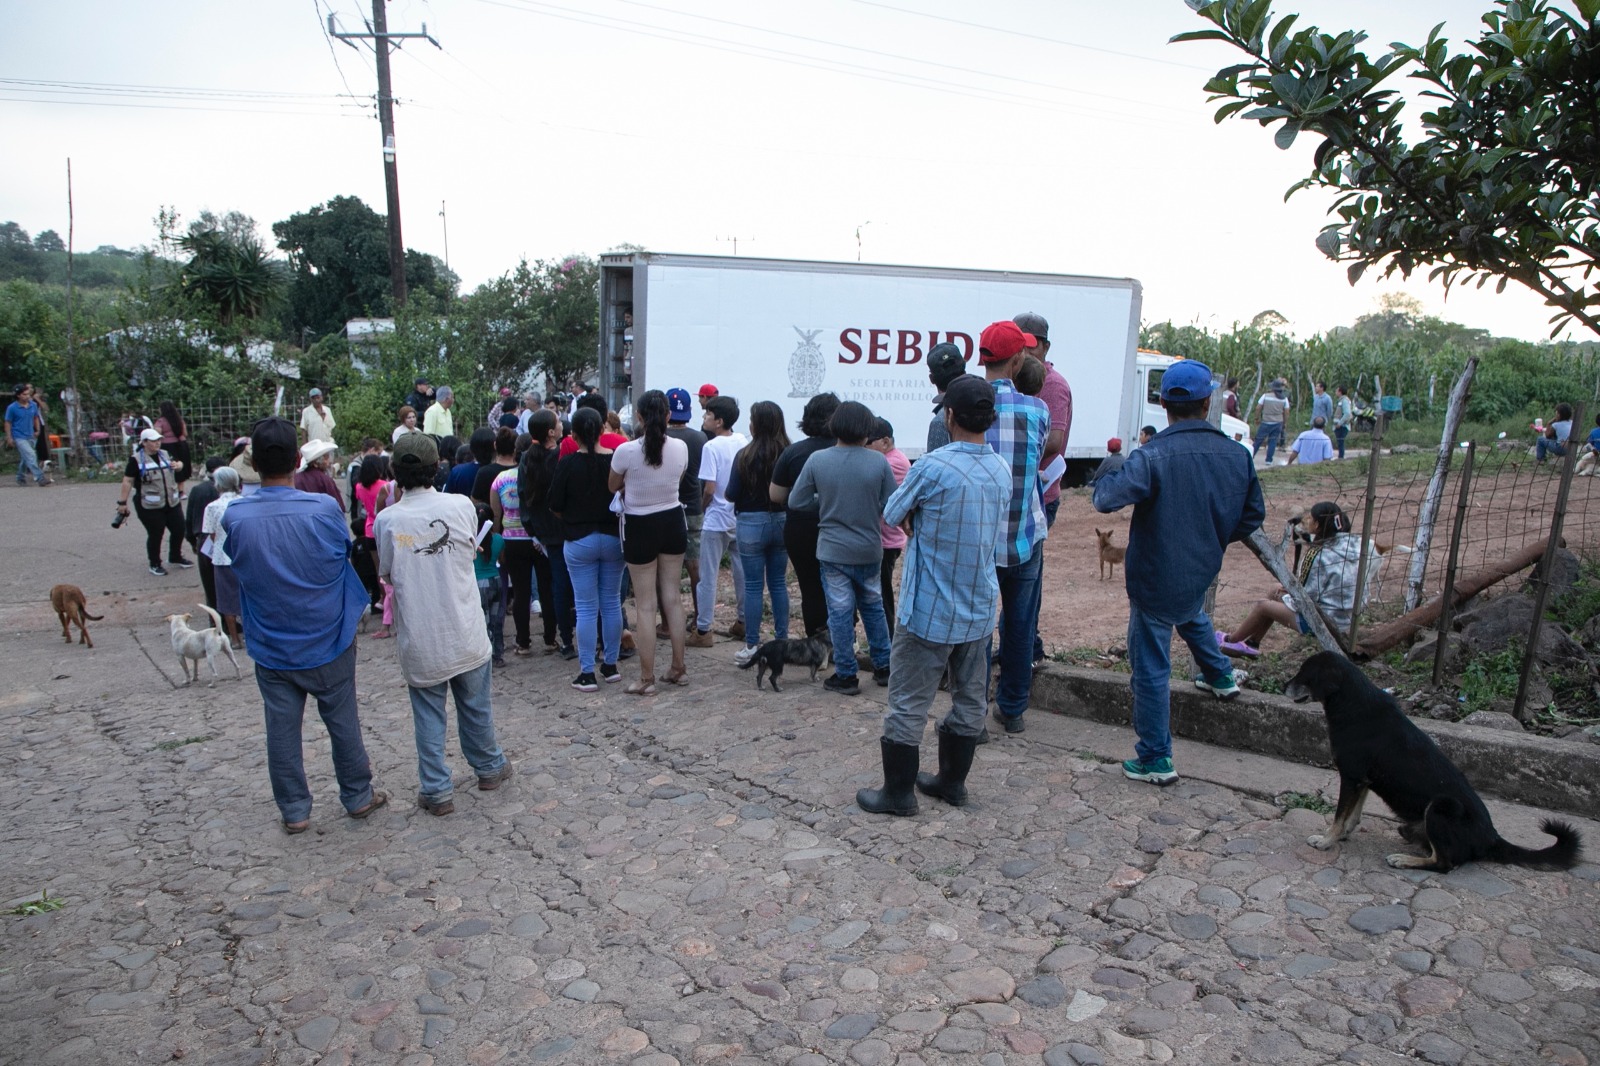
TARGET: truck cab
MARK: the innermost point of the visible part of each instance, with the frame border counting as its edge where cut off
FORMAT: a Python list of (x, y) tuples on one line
[(1151, 366)]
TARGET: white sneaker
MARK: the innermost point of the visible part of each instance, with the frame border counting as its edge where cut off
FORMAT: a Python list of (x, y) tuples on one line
[(535, 608), (744, 655)]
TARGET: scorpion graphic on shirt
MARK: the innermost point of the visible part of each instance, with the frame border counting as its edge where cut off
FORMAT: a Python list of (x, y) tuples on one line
[(434, 547)]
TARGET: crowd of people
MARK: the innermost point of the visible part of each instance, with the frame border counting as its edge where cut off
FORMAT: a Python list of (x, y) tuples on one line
[(550, 510)]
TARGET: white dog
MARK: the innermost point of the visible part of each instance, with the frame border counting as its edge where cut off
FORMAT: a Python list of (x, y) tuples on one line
[(192, 645)]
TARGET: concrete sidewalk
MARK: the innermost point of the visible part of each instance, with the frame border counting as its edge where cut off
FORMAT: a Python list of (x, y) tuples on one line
[(685, 879)]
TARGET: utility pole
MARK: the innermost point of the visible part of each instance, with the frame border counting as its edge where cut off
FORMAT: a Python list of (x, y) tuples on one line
[(74, 406), (378, 33)]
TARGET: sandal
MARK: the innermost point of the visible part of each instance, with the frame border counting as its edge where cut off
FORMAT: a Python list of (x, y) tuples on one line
[(675, 677), (382, 634), (640, 688)]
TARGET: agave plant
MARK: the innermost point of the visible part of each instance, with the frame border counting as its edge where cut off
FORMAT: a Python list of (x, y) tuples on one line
[(235, 278)]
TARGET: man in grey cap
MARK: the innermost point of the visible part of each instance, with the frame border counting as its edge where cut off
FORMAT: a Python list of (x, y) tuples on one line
[(316, 420), (945, 364), (1057, 395)]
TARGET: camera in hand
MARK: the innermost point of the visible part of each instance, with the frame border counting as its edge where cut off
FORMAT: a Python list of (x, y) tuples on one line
[(122, 516)]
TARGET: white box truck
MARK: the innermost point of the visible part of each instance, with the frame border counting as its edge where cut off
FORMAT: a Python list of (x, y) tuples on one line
[(781, 330)]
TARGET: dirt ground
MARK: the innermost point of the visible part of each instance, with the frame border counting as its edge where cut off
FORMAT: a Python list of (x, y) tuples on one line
[(1510, 506)]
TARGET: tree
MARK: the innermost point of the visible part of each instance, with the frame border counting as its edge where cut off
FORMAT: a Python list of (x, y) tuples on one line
[(339, 260), (231, 276), (13, 236), (49, 241), (543, 316), (237, 226), (1500, 183)]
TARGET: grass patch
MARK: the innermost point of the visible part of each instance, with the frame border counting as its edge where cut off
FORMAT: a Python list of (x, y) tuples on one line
[(43, 905), (1580, 603), (1309, 801), (174, 745), (1487, 678), (943, 871), (1089, 756)]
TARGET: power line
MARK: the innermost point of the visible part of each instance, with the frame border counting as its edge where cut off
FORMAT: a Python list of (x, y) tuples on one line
[(175, 91), (1034, 36), (886, 55), (915, 81), (167, 107), (317, 6)]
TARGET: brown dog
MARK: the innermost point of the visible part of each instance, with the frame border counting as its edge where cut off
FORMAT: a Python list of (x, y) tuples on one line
[(70, 607), (1110, 556)]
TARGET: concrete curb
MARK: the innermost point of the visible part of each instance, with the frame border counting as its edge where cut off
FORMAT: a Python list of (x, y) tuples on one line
[(1556, 774)]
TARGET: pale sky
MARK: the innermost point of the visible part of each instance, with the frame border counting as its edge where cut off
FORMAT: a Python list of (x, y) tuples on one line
[(1065, 137)]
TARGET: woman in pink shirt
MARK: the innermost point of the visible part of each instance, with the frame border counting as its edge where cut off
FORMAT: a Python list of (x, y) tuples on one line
[(894, 538), (371, 482)]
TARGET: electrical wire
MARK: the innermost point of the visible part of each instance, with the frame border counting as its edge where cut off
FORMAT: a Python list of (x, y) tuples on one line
[(175, 91), (318, 6), (890, 55), (536, 7), (1034, 36)]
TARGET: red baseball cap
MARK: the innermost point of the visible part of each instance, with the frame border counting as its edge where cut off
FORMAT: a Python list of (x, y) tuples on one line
[(1002, 340), (707, 390)]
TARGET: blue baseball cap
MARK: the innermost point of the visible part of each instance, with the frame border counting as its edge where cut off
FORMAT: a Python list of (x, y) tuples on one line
[(1186, 381), (679, 405)]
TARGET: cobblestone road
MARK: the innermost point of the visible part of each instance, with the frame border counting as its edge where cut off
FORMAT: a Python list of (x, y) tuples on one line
[(683, 879)]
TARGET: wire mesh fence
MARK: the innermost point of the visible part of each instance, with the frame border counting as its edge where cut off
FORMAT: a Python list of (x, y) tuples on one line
[(1511, 501)]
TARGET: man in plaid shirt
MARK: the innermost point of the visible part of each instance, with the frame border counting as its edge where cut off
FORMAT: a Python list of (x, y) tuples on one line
[(1021, 426), (953, 503)]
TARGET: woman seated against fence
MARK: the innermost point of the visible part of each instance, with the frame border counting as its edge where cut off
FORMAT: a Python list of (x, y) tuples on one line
[(1327, 570)]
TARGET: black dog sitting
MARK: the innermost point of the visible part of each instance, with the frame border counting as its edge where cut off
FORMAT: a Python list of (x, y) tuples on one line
[(1378, 749), (815, 652)]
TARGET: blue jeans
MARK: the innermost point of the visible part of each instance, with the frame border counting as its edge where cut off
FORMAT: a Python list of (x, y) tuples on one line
[(283, 697), (853, 587), (474, 725), (1544, 446), (1270, 434), (494, 614), (595, 563), (561, 593), (1050, 510), (1340, 433), (1019, 622), (1150, 657), (761, 549), (28, 460)]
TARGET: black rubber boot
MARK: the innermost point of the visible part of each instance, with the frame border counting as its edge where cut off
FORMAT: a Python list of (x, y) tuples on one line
[(897, 796), (955, 761)]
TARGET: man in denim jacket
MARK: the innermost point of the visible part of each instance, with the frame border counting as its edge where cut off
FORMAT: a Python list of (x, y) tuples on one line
[(1193, 492)]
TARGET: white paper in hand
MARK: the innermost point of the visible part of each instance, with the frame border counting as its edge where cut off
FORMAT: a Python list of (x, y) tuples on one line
[(1052, 473)]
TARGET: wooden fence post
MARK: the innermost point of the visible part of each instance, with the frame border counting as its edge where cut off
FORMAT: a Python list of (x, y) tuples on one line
[(1435, 494), (1530, 656), (1447, 607), (1366, 527)]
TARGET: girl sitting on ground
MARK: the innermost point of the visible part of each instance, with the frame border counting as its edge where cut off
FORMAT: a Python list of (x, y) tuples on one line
[(1327, 570)]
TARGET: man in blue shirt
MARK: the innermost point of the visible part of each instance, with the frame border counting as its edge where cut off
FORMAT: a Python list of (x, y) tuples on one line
[(1193, 493), (22, 428), (301, 601), (1018, 435), (953, 503)]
